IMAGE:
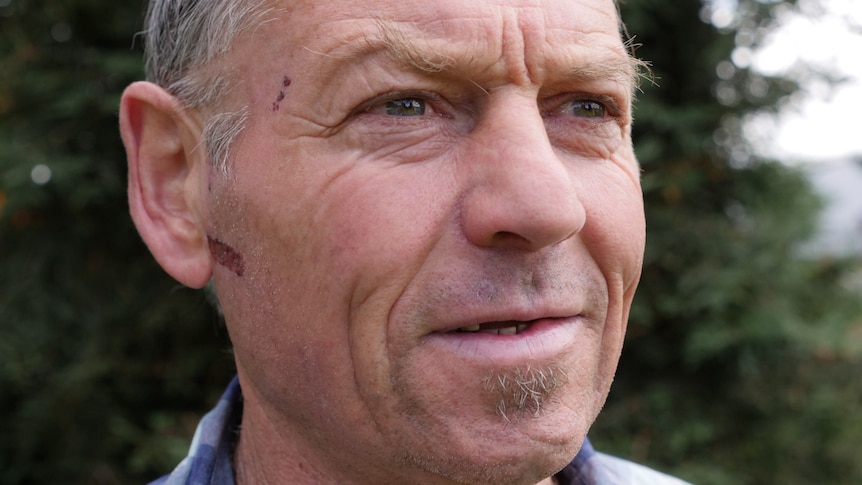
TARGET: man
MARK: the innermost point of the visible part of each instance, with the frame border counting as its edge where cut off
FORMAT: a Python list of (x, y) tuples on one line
[(422, 221)]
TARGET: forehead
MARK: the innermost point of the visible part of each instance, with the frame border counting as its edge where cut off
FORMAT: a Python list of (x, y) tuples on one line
[(518, 40)]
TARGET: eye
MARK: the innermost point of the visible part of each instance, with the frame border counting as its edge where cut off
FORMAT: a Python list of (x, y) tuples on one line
[(587, 109), (405, 107), (582, 106), (418, 104)]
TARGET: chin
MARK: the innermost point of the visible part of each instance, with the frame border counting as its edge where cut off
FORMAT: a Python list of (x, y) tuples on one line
[(520, 449), (517, 468)]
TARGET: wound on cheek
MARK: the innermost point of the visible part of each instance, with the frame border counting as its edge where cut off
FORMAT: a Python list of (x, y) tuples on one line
[(226, 256)]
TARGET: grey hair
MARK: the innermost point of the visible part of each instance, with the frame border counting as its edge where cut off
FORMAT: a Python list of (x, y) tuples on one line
[(183, 38), (524, 392)]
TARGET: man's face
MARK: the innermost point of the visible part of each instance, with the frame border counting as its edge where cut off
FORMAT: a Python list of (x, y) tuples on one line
[(413, 172)]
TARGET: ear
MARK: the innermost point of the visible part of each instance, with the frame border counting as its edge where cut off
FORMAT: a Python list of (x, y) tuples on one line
[(165, 177)]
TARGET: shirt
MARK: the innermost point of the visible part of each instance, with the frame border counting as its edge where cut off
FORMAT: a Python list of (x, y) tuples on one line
[(209, 458)]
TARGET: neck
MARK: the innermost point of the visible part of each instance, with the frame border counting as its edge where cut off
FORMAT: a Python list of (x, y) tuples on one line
[(267, 453)]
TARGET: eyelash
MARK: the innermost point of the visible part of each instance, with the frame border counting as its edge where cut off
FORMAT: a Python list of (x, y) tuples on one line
[(438, 106), (567, 101), (434, 102)]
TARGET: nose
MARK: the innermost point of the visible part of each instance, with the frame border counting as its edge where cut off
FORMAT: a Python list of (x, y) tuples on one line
[(521, 193)]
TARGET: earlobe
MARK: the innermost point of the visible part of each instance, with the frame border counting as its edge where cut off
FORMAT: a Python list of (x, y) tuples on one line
[(164, 181)]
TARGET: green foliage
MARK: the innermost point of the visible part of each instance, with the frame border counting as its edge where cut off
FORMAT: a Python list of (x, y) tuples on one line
[(106, 365), (740, 365), (737, 365)]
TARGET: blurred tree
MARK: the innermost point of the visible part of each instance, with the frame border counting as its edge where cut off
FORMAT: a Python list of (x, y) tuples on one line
[(106, 363), (736, 365), (737, 369)]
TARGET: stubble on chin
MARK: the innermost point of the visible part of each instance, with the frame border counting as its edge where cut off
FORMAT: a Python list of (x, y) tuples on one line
[(525, 392)]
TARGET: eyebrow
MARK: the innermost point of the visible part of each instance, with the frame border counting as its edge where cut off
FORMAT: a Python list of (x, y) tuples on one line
[(396, 43), (623, 70), (400, 47)]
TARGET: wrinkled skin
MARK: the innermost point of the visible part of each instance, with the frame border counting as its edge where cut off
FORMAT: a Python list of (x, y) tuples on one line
[(431, 166)]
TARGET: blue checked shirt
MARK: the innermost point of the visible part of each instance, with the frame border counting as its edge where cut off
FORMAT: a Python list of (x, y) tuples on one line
[(209, 459)]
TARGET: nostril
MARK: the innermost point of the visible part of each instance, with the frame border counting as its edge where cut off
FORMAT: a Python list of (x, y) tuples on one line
[(509, 238)]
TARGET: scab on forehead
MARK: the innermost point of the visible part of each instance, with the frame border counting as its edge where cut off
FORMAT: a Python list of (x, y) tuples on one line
[(285, 83)]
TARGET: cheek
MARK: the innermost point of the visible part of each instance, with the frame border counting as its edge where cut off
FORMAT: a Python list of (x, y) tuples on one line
[(326, 264), (615, 230), (287, 313), (615, 235), (383, 226)]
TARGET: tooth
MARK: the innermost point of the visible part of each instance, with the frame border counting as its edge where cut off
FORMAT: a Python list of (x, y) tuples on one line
[(508, 331), (521, 327), (471, 328)]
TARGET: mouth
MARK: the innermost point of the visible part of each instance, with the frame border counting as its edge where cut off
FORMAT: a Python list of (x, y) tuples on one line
[(496, 328), (508, 342)]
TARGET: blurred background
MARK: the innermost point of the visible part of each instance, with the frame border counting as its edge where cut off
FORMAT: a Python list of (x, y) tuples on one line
[(744, 351)]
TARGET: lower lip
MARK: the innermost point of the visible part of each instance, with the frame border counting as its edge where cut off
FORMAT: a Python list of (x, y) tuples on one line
[(543, 339)]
